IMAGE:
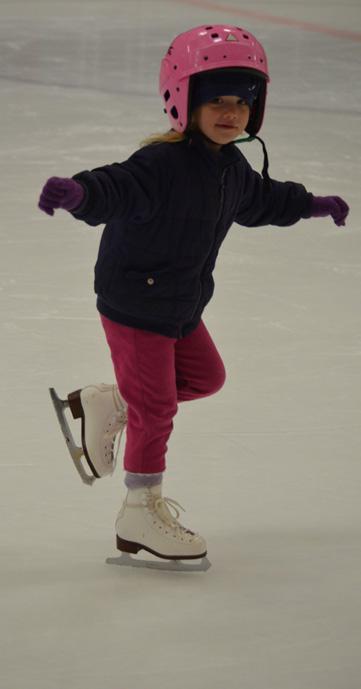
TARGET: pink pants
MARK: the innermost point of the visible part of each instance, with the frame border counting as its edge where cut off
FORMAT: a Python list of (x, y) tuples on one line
[(154, 373)]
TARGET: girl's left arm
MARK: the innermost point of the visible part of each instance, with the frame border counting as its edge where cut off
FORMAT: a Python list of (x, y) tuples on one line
[(283, 203)]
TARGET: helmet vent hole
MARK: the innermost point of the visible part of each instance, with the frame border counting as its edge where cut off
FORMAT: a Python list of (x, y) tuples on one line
[(175, 67), (178, 89), (166, 96), (174, 112), (205, 58), (245, 36), (215, 35), (208, 28)]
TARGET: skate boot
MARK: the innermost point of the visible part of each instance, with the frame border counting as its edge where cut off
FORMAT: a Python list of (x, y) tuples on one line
[(146, 523), (103, 415)]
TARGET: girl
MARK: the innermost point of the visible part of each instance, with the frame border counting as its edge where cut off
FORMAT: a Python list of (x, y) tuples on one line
[(167, 210)]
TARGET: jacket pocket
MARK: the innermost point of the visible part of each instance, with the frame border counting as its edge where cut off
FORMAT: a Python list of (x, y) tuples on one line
[(153, 294), (149, 295)]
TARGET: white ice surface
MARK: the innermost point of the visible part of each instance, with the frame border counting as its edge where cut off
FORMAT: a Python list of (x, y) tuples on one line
[(269, 469)]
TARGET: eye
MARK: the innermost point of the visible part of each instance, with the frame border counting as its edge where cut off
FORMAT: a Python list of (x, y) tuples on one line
[(219, 101)]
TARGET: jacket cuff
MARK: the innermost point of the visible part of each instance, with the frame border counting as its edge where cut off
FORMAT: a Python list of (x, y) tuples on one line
[(307, 212), (79, 210)]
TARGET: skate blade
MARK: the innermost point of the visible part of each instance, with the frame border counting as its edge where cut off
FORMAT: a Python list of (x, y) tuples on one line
[(126, 560), (75, 451)]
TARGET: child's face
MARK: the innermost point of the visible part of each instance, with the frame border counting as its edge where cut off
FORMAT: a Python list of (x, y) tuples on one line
[(222, 119)]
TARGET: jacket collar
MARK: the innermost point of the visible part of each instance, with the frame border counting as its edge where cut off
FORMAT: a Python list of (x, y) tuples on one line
[(217, 161)]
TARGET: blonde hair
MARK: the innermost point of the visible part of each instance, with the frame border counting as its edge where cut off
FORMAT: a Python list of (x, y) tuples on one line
[(171, 137)]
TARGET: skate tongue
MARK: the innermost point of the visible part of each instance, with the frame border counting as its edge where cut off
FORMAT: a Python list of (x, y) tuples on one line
[(115, 454)]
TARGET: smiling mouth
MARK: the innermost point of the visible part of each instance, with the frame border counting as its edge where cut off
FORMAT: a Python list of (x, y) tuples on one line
[(226, 126)]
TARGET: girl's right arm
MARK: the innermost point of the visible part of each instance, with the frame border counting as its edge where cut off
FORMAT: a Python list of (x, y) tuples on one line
[(134, 189)]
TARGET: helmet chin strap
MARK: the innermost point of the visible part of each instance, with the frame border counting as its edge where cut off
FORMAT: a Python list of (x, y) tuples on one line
[(245, 139)]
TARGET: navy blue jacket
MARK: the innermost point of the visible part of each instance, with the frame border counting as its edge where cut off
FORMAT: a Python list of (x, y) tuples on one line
[(167, 210)]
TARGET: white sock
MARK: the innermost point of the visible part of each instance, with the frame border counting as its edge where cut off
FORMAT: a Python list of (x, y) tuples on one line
[(133, 481)]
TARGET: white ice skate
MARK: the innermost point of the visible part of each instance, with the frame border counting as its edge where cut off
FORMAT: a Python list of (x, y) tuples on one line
[(146, 523), (103, 416)]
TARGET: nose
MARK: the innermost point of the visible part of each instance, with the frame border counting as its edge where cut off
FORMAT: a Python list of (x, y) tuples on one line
[(230, 111)]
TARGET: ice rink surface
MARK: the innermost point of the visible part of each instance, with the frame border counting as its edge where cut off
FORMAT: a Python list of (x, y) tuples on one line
[(269, 469)]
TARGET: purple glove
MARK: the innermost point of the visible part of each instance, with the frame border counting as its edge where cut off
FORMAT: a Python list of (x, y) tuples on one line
[(330, 205), (61, 192)]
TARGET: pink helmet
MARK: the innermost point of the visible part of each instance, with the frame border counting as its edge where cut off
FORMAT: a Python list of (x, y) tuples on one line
[(207, 48)]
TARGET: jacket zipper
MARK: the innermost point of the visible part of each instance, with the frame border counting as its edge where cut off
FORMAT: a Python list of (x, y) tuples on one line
[(223, 186), (221, 206)]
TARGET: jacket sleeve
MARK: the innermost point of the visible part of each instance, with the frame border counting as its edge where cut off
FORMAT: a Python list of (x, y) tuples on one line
[(132, 190), (273, 203)]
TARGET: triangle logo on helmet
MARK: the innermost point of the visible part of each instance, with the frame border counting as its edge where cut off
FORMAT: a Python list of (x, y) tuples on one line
[(231, 37)]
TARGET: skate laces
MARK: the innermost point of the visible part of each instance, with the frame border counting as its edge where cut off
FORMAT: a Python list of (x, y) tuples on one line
[(162, 507)]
